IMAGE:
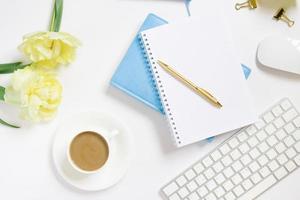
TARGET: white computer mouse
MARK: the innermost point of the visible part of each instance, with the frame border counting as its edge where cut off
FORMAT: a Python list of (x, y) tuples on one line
[(280, 52)]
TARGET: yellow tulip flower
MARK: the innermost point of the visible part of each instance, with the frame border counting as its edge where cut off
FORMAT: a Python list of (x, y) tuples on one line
[(38, 93), (49, 49)]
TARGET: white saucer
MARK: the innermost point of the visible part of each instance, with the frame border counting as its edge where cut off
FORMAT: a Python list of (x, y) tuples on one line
[(120, 150)]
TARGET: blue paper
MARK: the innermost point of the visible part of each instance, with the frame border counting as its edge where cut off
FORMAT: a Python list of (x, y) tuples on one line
[(247, 71), (187, 5)]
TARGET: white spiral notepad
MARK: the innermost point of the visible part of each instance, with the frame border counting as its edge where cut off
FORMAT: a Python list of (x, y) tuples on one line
[(202, 51)]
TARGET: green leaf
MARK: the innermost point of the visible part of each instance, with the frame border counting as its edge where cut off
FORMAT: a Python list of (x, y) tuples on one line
[(2, 93), (7, 124), (56, 16), (11, 67)]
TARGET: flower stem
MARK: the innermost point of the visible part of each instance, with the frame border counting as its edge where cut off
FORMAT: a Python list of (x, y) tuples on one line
[(7, 124), (56, 16), (11, 67), (2, 93)]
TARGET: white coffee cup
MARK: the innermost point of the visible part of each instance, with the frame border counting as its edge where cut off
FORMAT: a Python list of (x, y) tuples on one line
[(106, 136)]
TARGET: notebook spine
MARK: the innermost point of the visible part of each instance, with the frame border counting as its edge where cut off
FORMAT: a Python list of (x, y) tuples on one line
[(157, 83)]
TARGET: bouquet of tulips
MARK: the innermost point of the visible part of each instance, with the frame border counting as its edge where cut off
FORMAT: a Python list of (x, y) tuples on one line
[(34, 87)]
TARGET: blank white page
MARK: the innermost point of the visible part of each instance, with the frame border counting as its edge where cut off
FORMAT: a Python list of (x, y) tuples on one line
[(202, 51)]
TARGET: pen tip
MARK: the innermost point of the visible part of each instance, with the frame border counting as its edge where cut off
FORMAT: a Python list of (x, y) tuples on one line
[(219, 104)]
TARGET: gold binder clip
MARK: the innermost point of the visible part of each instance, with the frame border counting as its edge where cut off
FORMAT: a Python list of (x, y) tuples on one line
[(280, 15), (251, 4)]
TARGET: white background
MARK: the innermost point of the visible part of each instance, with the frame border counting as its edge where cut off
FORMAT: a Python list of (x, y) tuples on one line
[(106, 28)]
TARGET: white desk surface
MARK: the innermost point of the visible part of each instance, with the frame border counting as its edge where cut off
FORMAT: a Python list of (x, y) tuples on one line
[(106, 28)]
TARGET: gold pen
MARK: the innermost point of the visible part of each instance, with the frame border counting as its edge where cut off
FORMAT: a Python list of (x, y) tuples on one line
[(191, 85)]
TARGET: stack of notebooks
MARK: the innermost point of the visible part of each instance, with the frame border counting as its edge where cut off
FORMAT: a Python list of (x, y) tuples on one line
[(203, 52)]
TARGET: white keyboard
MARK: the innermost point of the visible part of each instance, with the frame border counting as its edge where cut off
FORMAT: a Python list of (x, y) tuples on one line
[(246, 164)]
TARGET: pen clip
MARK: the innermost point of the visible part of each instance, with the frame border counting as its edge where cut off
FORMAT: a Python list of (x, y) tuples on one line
[(251, 4), (280, 15)]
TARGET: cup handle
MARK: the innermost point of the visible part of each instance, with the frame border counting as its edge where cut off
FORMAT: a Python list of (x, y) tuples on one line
[(113, 134)]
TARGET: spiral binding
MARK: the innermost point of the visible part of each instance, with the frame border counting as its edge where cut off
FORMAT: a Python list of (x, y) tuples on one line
[(157, 83)]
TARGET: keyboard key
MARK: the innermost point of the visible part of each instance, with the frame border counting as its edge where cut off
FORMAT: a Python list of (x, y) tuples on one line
[(220, 178), (272, 140), (242, 136), (291, 153), (192, 186), (280, 173), (259, 124), (273, 165), (224, 149), (228, 185), (289, 128), (245, 173), (233, 143), (259, 188), (246, 159), (270, 129), (244, 148), (230, 196), (271, 154), (183, 192), (252, 141), (247, 184), (264, 172), (200, 179), (171, 188), (277, 111), (268, 117), (251, 130), (297, 122), (235, 154), (289, 141), (286, 105), (254, 153), (228, 172), (218, 167), (282, 159), (202, 191), (193, 196), (238, 191), (262, 160), (297, 159), (210, 196), (211, 184), (289, 115), (261, 135), (181, 181), (236, 179), (290, 166), (256, 178), (216, 155), (237, 166), (174, 197), (296, 135), (254, 166), (280, 147), (279, 122), (219, 192), (226, 161), (263, 147), (198, 168), (209, 173), (190, 174), (280, 134), (207, 161), (297, 147)]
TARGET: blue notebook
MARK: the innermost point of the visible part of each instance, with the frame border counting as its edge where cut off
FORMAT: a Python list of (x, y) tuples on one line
[(133, 75)]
